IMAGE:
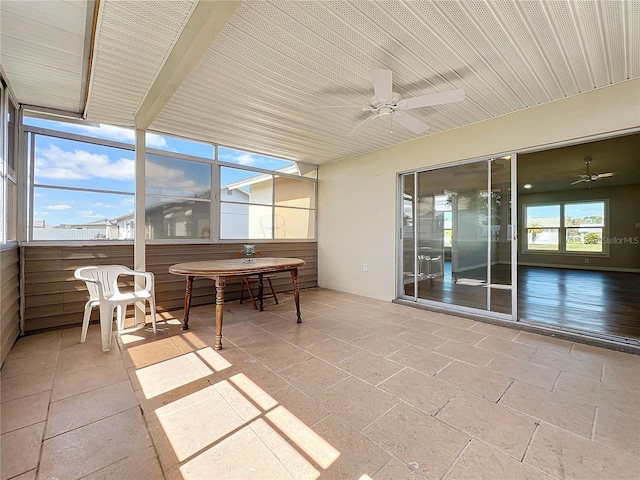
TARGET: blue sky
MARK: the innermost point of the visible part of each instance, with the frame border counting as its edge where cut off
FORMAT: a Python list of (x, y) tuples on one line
[(574, 210), (68, 163)]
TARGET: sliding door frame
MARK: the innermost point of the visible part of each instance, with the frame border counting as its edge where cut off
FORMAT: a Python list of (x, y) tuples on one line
[(515, 206), (513, 239)]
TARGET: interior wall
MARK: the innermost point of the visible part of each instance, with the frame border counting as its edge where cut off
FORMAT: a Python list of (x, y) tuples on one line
[(357, 196), (624, 212)]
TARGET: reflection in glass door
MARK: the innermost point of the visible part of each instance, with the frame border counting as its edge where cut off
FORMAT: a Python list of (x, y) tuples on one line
[(408, 260), (500, 236), (458, 249)]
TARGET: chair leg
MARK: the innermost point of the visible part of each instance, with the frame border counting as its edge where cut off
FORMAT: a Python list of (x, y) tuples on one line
[(106, 320), (250, 290), (242, 289), (152, 305), (273, 292), (85, 321), (120, 316)]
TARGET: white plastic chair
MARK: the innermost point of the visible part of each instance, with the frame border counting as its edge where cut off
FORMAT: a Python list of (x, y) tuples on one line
[(102, 284)]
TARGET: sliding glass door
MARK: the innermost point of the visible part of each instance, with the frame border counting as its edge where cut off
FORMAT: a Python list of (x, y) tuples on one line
[(457, 240)]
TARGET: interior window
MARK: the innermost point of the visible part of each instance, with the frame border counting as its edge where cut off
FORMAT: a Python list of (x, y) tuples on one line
[(576, 227), (542, 227)]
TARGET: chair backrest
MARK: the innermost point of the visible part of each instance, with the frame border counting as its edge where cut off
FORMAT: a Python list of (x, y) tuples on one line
[(107, 275)]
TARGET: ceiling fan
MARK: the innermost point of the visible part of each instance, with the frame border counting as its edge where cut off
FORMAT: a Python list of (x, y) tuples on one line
[(387, 103), (591, 177)]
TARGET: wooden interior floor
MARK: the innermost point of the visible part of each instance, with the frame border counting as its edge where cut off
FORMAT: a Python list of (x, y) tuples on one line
[(601, 302)]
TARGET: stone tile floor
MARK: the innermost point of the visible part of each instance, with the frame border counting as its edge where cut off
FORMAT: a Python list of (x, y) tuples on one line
[(363, 389)]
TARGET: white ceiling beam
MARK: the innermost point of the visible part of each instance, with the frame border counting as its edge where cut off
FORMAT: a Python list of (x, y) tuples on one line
[(203, 27)]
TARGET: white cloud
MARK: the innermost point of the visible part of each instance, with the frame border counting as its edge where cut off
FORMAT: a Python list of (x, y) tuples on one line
[(246, 159), (100, 204), (243, 158), (90, 214), (165, 177), (60, 206), (157, 141), (120, 134), (53, 162), (251, 159), (110, 132)]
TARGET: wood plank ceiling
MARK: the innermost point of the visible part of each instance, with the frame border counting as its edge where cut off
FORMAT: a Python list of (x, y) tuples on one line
[(259, 83)]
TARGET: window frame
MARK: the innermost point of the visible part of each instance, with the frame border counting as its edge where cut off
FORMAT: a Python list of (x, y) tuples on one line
[(8, 167), (273, 205), (31, 131), (562, 229)]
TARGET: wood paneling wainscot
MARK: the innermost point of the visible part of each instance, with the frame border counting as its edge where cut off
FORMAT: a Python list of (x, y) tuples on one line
[(9, 299), (54, 298)]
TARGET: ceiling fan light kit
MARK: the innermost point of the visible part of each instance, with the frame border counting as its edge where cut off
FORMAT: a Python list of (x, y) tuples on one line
[(591, 177), (387, 103)]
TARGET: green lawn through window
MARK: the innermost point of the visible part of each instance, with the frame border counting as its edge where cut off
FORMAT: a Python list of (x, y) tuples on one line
[(571, 247)]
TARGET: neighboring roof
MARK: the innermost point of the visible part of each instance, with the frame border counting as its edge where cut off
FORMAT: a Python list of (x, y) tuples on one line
[(291, 169)]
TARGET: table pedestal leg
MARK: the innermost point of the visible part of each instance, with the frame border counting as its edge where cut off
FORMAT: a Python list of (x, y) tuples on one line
[(220, 283), (187, 303), (296, 292), (260, 292)]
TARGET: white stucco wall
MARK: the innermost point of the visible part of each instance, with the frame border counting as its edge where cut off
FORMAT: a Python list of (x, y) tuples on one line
[(357, 196)]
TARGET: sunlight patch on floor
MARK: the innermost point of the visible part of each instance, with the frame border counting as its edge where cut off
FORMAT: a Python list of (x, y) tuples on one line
[(230, 429), (246, 454), (176, 372), (213, 359), (253, 391), (128, 338), (309, 441)]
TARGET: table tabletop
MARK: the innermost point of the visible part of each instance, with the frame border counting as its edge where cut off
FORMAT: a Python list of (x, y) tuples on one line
[(235, 266), (219, 270)]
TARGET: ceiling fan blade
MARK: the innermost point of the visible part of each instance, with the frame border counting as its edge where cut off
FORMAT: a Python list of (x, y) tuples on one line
[(410, 122), (604, 175), (338, 107), (382, 84), (580, 181), (362, 127), (432, 99)]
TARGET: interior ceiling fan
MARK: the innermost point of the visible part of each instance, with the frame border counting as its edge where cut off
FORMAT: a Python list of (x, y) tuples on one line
[(387, 103), (591, 177)]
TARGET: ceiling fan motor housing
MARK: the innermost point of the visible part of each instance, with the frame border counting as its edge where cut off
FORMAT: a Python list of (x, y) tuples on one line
[(378, 104)]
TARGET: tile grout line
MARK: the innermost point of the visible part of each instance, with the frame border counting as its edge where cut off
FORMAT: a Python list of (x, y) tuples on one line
[(555, 384), (450, 363), (46, 421), (593, 427), (526, 450), (404, 367), (458, 458), (398, 402), (140, 409), (435, 414), (505, 391), (382, 467)]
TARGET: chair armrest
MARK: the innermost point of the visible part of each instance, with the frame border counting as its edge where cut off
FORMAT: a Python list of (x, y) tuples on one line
[(148, 276)]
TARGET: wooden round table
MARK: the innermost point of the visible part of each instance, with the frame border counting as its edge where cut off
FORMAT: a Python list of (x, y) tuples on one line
[(219, 270)]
